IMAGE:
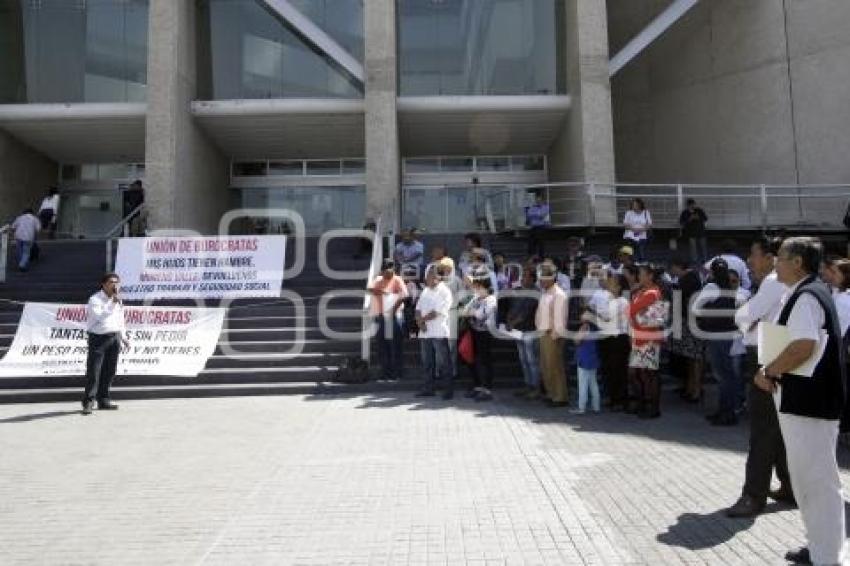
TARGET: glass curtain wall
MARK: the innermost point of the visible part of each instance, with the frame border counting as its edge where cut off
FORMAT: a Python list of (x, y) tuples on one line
[(73, 51), (480, 47), (323, 208), (254, 54)]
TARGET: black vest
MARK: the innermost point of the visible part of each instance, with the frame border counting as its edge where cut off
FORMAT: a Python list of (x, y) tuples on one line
[(822, 396)]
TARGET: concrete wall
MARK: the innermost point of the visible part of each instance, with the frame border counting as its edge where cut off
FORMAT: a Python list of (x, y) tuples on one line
[(186, 175), (25, 175), (584, 151), (383, 170), (738, 91)]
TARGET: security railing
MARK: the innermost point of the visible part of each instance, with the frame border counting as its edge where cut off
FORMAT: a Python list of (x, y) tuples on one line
[(502, 207)]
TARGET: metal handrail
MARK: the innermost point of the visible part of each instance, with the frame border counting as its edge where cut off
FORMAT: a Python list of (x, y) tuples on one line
[(763, 205), (124, 222), (374, 268), (4, 251)]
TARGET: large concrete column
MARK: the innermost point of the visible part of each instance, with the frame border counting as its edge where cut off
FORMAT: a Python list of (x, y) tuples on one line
[(25, 175), (585, 149), (186, 175), (382, 149)]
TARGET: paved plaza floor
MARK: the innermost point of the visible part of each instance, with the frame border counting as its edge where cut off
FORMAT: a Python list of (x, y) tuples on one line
[(380, 479)]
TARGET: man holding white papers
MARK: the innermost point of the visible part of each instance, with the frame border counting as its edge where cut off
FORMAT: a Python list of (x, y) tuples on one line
[(767, 450), (810, 408)]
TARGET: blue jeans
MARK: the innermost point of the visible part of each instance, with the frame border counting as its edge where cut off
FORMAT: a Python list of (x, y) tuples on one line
[(587, 383), (24, 251), (738, 370), (722, 367), (390, 346), (436, 364), (529, 358)]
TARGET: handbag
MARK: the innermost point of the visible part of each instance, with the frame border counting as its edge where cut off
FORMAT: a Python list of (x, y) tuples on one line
[(466, 348)]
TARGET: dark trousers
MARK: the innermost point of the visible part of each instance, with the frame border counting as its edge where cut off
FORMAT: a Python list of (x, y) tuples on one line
[(767, 450), (101, 364), (721, 365), (389, 337), (535, 241), (436, 363), (482, 368), (614, 352)]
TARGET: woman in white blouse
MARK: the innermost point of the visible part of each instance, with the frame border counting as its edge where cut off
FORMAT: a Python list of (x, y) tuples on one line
[(637, 222), (841, 292), (48, 212)]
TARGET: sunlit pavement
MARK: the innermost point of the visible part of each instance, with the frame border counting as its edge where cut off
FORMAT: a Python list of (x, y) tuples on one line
[(382, 479)]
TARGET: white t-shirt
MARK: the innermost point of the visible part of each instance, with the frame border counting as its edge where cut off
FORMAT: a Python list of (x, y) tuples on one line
[(26, 227), (50, 203), (439, 300), (641, 219), (765, 305), (613, 319)]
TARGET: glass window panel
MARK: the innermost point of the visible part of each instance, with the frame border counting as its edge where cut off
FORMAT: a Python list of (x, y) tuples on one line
[(456, 164), (474, 47), (249, 169), (73, 51), (287, 168), (421, 165), (493, 164), (113, 171), (322, 208), (530, 163), (254, 54), (353, 167), (425, 208), (330, 167)]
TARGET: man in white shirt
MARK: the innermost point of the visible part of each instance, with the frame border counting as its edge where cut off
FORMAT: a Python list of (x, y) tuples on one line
[(25, 229), (810, 407), (105, 326), (767, 450), (734, 262), (432, 317)]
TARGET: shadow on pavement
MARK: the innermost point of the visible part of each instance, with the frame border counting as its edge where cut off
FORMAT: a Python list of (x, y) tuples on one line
[(697, 532), (38, 416)]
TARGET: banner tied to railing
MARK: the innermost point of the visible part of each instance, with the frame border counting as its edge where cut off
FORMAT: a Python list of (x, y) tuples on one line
[(213, 267), (170, 341)]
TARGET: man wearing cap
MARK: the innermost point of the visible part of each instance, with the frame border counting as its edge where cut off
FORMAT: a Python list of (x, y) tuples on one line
[(388, 294)]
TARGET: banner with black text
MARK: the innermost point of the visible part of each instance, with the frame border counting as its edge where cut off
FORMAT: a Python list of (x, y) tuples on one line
[(214, 267), (170, 341)]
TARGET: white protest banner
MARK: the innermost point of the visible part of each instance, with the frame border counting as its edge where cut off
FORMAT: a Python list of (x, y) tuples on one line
[(195, 267), (167, 341)]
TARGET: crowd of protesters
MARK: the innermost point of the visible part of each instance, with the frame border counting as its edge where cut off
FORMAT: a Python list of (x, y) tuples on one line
[(604, 328)]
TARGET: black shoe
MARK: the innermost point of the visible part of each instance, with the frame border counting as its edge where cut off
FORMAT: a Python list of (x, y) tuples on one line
[(471, 393), (425, 394), (106, 405), (783, 495), (448, 395), (745, 507), (799, 556), (556, 404), (87, 407), (483, 396), (649, 414)]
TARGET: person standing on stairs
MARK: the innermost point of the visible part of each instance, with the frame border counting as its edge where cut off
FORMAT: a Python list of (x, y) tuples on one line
[(105, 326), (25, 230), (388, 294), (48, 212)]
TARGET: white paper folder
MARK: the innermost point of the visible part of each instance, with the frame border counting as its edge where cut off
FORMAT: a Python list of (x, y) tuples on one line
[(774, 338)]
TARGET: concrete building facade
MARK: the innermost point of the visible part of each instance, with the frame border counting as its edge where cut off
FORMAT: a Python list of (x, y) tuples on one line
[(415, 110)]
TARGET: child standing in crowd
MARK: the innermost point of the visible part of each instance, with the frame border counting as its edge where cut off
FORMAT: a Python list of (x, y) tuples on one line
[(587, 362)]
